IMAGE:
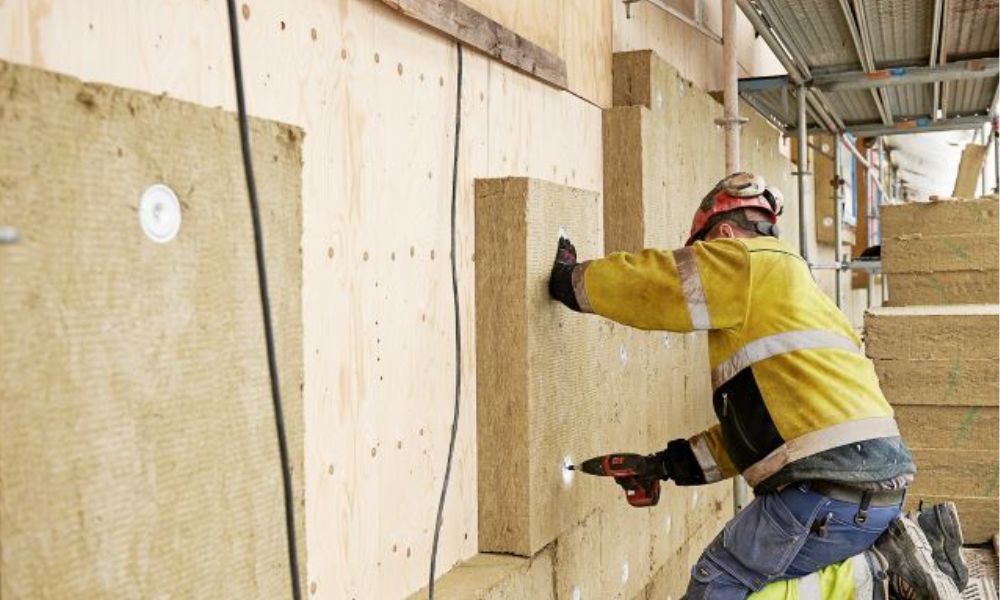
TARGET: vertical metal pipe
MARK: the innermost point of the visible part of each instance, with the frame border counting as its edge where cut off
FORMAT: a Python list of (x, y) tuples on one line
[(982, 172), (838, 219), (731, 121), (996, 154), (731, 98), (801, 172)]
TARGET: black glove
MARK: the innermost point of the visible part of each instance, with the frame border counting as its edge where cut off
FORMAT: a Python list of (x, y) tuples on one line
[(561, 279), (677, 462)]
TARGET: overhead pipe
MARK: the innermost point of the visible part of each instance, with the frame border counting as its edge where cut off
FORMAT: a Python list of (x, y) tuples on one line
[(941, 107), (866, 45), (864, 162), (864, 57), (979, 68), (825, 103), (935, 44), (796, 74)]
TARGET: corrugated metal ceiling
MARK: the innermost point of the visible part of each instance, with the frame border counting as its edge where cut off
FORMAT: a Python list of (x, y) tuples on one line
[(886, 34)]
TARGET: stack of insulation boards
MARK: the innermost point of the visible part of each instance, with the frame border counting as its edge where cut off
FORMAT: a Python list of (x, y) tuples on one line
[(935, 350)]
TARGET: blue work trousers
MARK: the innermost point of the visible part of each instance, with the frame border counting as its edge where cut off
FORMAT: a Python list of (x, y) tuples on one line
[(784, 535)]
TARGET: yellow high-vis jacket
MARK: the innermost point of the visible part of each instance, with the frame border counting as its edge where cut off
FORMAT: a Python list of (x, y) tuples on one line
[(792, 390)]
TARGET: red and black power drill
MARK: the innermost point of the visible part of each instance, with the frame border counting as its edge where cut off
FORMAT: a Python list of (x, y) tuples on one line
[(635, 473)]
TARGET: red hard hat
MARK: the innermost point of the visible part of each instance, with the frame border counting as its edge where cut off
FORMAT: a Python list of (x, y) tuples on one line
[(736, 191)]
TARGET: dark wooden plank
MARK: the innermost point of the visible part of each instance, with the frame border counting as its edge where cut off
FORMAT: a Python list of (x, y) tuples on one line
[(460, 22)]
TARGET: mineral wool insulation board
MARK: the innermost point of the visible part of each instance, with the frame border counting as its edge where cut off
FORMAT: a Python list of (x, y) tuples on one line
[(137, 439), (537, 365), (941, 252)]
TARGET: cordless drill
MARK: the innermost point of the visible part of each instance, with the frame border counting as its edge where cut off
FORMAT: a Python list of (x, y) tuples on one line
[(635, 473)]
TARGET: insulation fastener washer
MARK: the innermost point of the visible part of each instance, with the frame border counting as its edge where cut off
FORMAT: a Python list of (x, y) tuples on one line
[(159, 213)]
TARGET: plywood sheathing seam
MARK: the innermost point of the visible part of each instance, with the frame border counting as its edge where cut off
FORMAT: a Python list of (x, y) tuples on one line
[(137, 444)]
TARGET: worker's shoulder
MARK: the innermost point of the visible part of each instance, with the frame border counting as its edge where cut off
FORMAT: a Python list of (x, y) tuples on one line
[(754, 245), (766, 245)]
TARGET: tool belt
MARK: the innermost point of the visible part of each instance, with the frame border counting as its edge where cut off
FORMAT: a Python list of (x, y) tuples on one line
[(846, 493)]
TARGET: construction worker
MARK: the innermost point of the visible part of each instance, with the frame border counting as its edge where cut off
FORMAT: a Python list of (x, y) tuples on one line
[(801, 415)]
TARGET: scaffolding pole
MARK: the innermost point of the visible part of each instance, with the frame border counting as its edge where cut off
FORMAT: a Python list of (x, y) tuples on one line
[(996, 154), (801, 172), (838, 219), (732, 122)]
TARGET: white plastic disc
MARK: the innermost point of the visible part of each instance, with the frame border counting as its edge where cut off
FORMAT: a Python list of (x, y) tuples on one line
[(159, 213)]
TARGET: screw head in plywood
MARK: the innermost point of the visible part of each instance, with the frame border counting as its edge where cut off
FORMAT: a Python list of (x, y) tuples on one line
[(624, 572), (567, 473), (159, 213), (623, 354)]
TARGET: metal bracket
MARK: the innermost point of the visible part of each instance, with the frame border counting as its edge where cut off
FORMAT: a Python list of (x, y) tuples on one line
[(727, 120), (628, 7)]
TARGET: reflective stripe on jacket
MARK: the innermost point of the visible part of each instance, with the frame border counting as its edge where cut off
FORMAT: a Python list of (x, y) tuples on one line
[(788, 374)]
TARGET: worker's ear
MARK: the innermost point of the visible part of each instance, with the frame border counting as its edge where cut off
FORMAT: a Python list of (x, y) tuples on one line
[(726, 231)]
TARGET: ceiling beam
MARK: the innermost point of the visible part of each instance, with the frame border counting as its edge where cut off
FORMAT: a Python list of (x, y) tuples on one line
[(862, 80), (921, 125), (977, 68)]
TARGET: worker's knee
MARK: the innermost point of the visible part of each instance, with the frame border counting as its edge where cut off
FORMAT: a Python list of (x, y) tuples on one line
[(710, 582)]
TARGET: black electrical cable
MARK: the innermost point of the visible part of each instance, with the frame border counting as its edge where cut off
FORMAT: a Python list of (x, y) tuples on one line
[(458, 327), (272, 363)]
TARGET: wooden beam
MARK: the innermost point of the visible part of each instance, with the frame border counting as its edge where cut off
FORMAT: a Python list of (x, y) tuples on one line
[(968, 171), (472, 28)]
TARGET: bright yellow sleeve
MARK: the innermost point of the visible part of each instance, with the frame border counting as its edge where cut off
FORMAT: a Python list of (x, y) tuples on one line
[(710, 452), (700, 287)]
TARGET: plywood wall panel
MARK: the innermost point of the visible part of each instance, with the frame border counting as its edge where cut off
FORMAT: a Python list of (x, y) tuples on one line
[(375, 96), (138, 454), (578, 31), (696, 55)]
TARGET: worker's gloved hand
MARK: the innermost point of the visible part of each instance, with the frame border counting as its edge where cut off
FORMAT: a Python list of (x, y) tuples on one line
[(561, 279), (677, 462)]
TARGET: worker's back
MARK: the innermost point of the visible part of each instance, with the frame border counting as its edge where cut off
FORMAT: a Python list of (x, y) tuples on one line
[(789, 377)]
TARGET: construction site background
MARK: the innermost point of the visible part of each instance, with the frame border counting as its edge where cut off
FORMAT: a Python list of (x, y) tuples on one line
[(143, 364)]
